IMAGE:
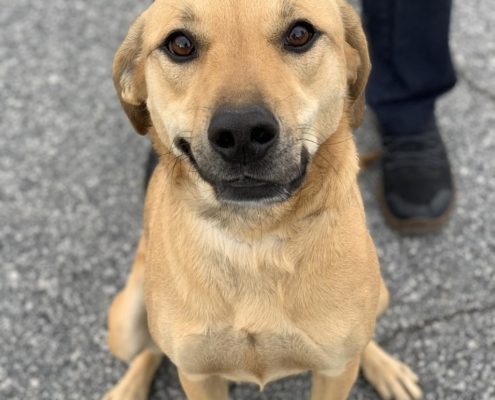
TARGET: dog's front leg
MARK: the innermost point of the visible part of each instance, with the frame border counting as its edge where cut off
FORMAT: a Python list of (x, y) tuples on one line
[(390, 377), (212, 388), (334, 388), (136, 383)]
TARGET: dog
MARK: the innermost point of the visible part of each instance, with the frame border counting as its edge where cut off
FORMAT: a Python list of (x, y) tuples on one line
[(255, 262)]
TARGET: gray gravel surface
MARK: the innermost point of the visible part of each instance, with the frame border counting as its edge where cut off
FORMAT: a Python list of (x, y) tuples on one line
[(71, 175)]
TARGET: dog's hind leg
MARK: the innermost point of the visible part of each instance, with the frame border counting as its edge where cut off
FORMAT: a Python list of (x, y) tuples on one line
[(129, 338), (128, 333), (212, 388), (390, 378), (136, 383)]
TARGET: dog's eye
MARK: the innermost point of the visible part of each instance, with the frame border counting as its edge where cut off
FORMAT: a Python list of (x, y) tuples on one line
[(300, 37), (180, 47)]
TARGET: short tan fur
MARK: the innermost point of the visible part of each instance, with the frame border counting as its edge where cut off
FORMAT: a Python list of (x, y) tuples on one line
[(252, 292)]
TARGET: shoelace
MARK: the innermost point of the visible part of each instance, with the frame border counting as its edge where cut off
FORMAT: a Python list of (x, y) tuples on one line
[(413, 151)]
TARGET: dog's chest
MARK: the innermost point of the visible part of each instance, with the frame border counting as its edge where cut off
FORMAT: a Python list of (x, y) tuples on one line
[(244, 354), (254, 317)]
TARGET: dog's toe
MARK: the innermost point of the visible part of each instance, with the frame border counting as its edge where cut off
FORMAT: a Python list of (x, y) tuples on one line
[(392, 379)]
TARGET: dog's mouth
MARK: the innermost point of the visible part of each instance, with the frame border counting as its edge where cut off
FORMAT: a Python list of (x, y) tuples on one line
[(249, 189)]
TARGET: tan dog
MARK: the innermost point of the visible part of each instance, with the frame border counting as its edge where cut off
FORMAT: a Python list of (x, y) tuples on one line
[(255, 262)]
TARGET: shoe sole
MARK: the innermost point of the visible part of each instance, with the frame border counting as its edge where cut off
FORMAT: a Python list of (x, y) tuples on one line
[(415, 226)]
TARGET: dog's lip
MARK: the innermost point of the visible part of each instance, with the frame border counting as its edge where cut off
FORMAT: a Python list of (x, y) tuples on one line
[(247, 182), (185, 147), (251, 188)]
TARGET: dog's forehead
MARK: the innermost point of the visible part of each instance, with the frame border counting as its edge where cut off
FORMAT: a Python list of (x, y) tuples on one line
[(281, 8), (221, 15)]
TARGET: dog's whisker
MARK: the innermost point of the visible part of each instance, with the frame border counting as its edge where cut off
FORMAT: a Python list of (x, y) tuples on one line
[(308, 140), (351, 137)]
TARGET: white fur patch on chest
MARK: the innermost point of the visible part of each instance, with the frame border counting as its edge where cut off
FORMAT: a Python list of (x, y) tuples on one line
[(268, 251)]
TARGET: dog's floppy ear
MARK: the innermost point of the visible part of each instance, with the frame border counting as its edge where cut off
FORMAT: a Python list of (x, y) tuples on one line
[(358, 62), (128, 77)]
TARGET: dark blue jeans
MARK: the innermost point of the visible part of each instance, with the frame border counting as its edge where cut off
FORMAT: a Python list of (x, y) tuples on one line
[(412, 67)]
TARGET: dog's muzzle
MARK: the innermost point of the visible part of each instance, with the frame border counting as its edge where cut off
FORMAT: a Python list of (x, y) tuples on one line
[(243, 161)]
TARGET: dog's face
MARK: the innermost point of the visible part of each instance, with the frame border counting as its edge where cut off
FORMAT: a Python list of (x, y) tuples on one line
[(247, 90)]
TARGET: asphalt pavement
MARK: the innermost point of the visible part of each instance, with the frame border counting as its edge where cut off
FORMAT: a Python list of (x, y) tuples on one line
[(71, 177)]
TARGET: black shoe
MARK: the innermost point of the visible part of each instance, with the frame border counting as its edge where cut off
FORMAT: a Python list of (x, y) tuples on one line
[(418, 189)]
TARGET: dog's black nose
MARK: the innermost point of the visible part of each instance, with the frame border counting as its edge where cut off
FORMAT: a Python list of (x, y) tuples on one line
[(243, 135)]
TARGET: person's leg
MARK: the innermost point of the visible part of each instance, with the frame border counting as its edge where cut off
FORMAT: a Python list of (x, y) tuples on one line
[(412, 67)]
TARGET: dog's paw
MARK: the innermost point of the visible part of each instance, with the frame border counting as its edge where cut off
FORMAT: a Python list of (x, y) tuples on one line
[(391, 378)]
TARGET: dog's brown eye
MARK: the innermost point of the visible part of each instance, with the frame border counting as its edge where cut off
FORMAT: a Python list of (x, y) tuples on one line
[(180, 47), (300, 37)]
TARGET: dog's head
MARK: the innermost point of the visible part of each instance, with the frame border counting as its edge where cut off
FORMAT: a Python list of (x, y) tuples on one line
[(245, 91)]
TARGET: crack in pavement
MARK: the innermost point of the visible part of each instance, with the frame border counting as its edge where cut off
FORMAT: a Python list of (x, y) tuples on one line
[(443, 318)]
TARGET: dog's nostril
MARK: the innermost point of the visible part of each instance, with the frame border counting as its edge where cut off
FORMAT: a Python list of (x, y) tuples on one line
[(242, 134), (225, 139), (261, 135)]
